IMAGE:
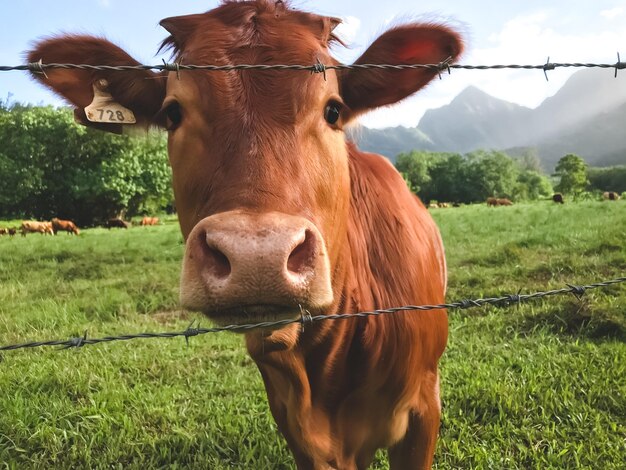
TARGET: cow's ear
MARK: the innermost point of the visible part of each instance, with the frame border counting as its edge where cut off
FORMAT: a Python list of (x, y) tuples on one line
[(365, 89), (141, 91)]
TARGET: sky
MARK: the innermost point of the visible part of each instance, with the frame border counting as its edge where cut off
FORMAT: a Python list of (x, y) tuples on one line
[(495, 32)]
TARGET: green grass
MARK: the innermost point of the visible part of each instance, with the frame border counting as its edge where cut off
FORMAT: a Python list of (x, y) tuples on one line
[(541, 385)]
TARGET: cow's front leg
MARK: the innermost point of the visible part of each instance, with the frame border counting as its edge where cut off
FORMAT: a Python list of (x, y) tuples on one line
[(417, 448)]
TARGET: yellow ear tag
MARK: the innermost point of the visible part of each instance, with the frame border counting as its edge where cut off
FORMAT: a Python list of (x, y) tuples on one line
[(103, 108)]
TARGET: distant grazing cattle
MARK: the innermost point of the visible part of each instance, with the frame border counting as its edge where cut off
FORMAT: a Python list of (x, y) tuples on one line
[(433, 205), (4, 231), (12, 231), (149, 221), (610, 195), (284, 219), (443, 205), (29, 226), (492, 201), (68, 226), (117, 223), (558, 198)]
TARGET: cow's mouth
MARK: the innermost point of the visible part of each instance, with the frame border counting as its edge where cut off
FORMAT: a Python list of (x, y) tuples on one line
[(254, 314)]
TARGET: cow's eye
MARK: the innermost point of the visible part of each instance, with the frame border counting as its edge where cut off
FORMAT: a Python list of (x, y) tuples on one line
[(173, 116), (332, 112)]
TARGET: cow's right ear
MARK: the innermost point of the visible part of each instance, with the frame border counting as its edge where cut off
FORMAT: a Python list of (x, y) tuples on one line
[(141, 91)]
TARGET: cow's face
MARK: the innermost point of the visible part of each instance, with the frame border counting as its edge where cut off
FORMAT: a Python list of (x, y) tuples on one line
[(259, 160)]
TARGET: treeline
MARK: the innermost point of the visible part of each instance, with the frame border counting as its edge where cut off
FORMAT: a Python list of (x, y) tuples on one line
[(473, 177), (52, 167)]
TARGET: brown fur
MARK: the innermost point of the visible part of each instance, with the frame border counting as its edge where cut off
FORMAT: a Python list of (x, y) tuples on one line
[(68, 226), (117, 223), (149, 221), (256, 141), (610, 195), (45, 228)]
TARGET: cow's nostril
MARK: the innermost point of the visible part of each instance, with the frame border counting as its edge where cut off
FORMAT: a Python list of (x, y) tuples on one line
[(215, 261), (301, 258)]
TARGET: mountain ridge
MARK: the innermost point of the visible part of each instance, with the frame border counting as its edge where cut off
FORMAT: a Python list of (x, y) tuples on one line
[(583, 117)]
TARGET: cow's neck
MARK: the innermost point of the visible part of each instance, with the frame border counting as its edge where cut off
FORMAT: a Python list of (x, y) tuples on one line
[(320, 371)]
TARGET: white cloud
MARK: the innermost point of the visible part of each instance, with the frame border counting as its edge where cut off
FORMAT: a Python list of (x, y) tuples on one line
[(612, 13), (528, 39), (348, 29)]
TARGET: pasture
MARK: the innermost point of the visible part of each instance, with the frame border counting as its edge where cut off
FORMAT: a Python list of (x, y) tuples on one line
[(541, 385)]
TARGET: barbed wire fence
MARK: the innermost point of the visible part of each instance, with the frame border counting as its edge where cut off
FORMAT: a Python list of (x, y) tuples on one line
[(306, 318), (445, 66)]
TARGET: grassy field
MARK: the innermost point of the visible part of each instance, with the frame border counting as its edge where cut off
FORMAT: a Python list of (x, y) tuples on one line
[(541, 385)]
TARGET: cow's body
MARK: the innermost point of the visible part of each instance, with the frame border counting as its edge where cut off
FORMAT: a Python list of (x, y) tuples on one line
[(117, 223), (282, 218), (68, 226), (558, 198), (610, 196), (30, 226), (149, 221)]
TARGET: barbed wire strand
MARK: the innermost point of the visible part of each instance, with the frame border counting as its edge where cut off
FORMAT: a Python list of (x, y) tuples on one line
[(306, 318), (446, 65)]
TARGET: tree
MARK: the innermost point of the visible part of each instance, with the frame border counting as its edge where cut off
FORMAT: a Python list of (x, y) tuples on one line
[(52, 167), (491, 174), (572, 173), (414, 167), (532, 185)]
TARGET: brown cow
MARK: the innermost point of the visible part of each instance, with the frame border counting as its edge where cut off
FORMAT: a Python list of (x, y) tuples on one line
[(4, 231), (12, 231), (610, 195), (117, 223), (68, 226), (283, 218), (149, 221), (504, 202), (30, 226), (492, 201), (558, 198)]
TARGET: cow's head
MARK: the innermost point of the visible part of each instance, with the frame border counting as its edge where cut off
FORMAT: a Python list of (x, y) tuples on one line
[(259, 158)]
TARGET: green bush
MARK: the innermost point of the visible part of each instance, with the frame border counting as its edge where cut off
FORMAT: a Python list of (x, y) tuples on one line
[(52, 167)]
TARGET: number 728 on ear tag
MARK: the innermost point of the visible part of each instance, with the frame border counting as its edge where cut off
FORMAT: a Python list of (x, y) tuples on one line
[(105, 109)]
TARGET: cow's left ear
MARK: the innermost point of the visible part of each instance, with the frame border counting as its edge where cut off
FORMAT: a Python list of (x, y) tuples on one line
[(363, 90), (141, 91)]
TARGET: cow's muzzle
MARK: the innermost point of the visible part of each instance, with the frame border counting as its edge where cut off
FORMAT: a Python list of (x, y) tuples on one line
[(245, 268)]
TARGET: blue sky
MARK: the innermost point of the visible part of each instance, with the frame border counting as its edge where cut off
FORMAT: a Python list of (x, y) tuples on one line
[(496, 32)]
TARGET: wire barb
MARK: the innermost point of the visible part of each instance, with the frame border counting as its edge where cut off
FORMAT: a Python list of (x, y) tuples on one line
[(191, 331), (548, 66), (319, 67), (305, 317), (578, 291), (444, 65), (78, 342), (619, 65), (37, 67), (172, 67)]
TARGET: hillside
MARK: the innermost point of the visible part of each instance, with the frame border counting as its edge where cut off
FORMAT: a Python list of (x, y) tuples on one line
[(585, 117)]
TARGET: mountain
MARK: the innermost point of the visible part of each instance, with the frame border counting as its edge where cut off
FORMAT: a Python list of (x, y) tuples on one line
[(474, 120), (586, 116)]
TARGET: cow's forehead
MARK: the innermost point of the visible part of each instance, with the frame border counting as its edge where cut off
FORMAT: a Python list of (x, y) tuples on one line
[(255, 32), (236, 26)]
